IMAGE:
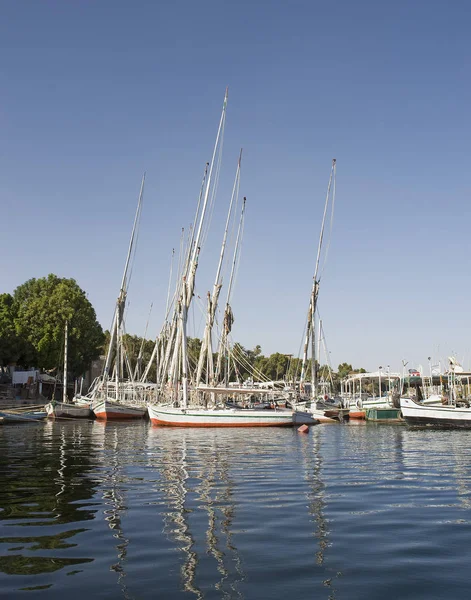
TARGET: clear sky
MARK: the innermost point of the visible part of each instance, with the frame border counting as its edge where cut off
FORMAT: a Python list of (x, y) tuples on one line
[(94, 93)]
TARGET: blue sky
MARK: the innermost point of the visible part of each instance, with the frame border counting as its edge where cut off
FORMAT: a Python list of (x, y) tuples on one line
[(95, 93)]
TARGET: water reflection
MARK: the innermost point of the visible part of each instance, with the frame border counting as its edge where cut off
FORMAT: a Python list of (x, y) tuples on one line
[(312, 459), (228, 514), (438, 460), (121, 446), (197, 489), (44, 486)]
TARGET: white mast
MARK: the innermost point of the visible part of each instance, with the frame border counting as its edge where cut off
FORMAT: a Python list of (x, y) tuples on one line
[(188, 279), (120, 303), (196, 244), (64, 391), (310, 330), (228, 315), (163, 331), (206, 347)]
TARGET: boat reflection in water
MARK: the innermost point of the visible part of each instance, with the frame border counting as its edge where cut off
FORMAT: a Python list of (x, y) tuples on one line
[(199, 478), (311, 453), (113, 497), (234, 505)]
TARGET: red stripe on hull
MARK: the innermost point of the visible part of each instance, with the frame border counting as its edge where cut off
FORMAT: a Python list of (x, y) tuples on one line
[(106, 416), (166, 423)]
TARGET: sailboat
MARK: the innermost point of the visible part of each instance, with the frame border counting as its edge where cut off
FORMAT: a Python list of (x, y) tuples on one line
[(309, 392), (66, 409), (204, 404), (117, 397)]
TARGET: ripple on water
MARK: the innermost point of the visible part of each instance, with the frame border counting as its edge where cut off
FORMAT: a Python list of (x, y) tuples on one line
[(345, 512)]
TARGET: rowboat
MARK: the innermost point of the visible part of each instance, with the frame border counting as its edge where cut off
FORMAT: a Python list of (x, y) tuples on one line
[(60, 410), (22, 417), (106, 408)]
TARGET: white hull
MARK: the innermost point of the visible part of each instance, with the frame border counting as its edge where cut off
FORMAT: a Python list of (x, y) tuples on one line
[(105, 409), (68, 410), (320, 416), (82, 400), (415, 413), (227, 417), (320, 413), (373, 403)]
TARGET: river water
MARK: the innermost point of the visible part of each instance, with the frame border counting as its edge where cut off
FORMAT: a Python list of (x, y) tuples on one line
[(127, 510)]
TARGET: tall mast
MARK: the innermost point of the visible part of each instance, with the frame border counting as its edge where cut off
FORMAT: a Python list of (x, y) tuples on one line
[(311, 320), (188, 279), (210, 175), (164, 327), (206, 347), (228, 315), (120, 303), (137, 369), (64, 391)]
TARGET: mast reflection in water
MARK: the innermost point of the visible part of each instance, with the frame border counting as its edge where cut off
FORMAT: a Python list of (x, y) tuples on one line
[(197, 488), (127, 510)]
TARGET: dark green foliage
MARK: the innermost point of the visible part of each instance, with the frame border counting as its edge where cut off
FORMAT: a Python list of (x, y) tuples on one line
[(41, 308), (13, 348)]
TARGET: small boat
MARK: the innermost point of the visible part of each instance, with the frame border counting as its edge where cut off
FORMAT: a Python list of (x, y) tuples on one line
[(106, 408), (22, 417), (66, 409), (60, 410)]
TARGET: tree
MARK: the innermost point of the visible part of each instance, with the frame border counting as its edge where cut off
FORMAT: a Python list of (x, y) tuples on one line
[(13, 348), (344, 369), (276, 366), (42, 307)]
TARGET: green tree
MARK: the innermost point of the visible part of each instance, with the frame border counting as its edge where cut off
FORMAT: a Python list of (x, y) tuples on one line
[(194, 348), (276, 366), (13, 348), (42, 307), (132, 345), (344, 369)]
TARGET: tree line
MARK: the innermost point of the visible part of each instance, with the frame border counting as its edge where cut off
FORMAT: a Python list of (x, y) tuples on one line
[(32, 323)]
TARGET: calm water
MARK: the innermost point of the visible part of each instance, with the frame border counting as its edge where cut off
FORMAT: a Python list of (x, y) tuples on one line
[(132, 511)]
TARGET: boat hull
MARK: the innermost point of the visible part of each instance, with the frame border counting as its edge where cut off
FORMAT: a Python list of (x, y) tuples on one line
[(358, 408), (448, 417), (10, 417), (324, 414), (110, 410), (384, 415), (356, 413), (177, 417), (61, 410)]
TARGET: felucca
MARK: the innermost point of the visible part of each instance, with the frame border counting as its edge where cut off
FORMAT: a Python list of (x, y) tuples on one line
[(309, 391), (204, 404), (119, 397)]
